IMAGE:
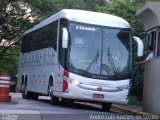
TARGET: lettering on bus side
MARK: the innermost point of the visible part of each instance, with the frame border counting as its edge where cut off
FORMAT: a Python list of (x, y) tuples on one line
[(38, 58)]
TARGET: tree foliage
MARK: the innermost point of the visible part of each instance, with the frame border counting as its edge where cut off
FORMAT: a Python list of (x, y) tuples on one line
[(16, 16)]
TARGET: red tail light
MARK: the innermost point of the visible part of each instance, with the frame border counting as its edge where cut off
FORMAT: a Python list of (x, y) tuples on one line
[(66, 73), (65, 82)]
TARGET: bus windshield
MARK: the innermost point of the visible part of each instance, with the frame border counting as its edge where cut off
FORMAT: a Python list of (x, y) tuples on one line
[(99, 50)]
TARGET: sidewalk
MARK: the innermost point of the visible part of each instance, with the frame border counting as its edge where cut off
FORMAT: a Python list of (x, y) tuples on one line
[(129, 109), (134, 110)]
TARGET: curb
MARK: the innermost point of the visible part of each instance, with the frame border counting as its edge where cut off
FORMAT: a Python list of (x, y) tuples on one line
[(134, 112)]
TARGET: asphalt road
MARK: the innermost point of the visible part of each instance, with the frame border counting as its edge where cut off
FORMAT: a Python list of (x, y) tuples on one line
[(22, 109)]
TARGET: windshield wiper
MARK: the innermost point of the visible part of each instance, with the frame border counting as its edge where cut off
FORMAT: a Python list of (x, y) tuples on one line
[(94, 59), (111, 62)]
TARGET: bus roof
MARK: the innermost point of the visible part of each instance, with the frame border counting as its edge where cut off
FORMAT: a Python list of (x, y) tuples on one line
[(83, 16)]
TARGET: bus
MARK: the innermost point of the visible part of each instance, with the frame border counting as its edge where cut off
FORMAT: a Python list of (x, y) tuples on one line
[(78, 55)]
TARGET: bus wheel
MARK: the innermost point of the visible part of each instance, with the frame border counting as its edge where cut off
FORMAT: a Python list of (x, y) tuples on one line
[(25, 93), (35, 96), (50, 85), (106, 106), (54, 99), (67, 101)]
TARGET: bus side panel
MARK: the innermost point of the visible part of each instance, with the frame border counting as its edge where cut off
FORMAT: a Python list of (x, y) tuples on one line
[(38, 66), (58, 86)]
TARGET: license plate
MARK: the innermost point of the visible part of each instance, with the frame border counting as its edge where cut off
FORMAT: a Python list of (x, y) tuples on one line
[(100, 96)]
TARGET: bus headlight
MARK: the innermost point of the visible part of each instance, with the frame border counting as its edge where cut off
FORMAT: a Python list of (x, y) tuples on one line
[(75, 82)]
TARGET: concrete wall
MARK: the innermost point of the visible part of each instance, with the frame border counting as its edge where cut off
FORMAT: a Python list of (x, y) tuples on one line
[(149, 14), (151, 91)]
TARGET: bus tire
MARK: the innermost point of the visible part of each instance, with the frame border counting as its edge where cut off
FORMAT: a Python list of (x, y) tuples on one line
[(50, 85), (106, 106), (66, 101), (54, 99), (22, 82), (34, 96), (25, 93)]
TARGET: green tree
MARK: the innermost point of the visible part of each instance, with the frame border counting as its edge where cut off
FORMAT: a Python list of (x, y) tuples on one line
[(16, 16)]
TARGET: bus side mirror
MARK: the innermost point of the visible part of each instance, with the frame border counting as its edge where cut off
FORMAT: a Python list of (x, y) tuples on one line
[(140, 46), (64, 38)]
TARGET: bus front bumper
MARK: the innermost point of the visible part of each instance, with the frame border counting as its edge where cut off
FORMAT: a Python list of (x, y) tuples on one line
[(76, 93)]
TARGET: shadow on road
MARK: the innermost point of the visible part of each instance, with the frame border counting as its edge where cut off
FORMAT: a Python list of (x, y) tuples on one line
[(78, 105)]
